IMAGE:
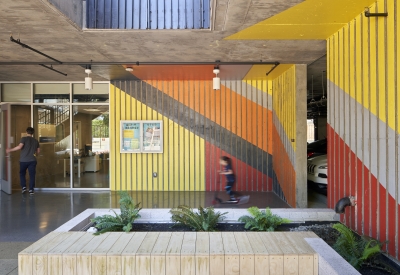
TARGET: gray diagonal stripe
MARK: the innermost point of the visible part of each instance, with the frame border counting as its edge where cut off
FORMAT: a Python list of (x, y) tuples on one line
[(198, 124)]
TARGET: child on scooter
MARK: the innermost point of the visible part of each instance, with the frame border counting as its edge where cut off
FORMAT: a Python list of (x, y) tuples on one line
[(230, 176)]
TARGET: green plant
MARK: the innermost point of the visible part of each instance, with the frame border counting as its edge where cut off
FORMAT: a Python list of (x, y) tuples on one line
[(121, 222), (355, 250), (261, 220), (205, 219)]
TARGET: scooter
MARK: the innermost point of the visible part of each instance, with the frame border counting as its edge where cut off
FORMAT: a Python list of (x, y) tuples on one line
[(239, 200)]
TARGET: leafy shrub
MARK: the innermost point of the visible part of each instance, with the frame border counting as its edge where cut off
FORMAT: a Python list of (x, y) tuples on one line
[(355, 250), (205, 219), (122, 222), (262, 220)]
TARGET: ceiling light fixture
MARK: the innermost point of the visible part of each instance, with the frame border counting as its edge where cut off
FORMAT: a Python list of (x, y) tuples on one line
[(216, 79), (129, 69), (88, 79)]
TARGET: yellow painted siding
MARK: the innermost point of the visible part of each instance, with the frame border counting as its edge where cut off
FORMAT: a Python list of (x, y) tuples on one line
[(288, 164), (284, 93), (318, 20), (397, 68), (364, 42), (180, 167), (199, 123), (364, 159)]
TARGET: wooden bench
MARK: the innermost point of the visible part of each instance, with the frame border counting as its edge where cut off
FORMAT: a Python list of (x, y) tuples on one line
[(185, 253)]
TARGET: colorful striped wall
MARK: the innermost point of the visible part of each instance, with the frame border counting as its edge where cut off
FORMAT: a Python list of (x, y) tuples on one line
[(288, 134), (364, 124), (200, 125)]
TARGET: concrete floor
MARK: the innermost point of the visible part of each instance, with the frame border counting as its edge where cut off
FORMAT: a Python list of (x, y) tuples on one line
[(24, 219)]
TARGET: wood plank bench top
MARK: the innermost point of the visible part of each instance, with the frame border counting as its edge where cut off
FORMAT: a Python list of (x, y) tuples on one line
[(186, 253)]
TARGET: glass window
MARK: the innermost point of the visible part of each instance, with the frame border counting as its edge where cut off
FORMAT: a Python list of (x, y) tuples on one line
[(15, 92), (51, 93), (98, 94)]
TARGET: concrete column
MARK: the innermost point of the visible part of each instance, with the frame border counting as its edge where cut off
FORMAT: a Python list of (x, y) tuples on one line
[(301, 136)]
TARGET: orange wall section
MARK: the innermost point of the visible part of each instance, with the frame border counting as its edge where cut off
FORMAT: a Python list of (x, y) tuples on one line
[(225, 107), (198, 122)]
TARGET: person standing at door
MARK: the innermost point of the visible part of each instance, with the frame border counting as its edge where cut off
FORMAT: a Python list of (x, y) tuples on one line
[(29, 147)]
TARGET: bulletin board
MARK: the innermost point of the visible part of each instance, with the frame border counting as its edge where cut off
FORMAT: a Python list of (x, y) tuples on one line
[(141, 136)]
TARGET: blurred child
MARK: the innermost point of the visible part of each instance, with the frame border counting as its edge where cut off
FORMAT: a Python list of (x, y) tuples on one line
[(230, 177)]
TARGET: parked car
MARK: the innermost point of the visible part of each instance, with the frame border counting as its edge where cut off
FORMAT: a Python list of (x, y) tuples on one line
[(317, 172), (317, 148)]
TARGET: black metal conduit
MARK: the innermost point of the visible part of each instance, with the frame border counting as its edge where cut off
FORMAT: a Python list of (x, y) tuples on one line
[(136, 63), (51, 68), (39, 52), (32, 49), (48, 65), (273, 68)]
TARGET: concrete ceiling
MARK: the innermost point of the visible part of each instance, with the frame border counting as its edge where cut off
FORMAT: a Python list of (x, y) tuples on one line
[(40, 25)]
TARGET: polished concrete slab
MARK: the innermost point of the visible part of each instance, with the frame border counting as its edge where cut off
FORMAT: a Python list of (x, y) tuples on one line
[(25, 218)]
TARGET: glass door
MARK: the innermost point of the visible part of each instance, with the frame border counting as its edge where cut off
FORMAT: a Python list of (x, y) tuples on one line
[(91, 146), (51, 123), (5, 140)]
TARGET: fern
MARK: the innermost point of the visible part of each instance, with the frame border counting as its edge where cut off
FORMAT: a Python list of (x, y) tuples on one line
[(205, 219), (261, 220), (355, 250), (121, 222)]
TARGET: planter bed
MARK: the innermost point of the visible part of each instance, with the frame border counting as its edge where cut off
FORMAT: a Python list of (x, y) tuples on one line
[(65, 250)]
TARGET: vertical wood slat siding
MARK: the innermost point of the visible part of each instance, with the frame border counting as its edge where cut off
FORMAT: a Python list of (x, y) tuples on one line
[(200, 125), (363, 122)]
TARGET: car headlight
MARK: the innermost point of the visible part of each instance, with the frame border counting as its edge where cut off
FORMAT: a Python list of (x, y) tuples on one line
[(323, 167)]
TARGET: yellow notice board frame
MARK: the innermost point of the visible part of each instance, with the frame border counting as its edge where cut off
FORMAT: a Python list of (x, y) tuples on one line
[(141, 136)]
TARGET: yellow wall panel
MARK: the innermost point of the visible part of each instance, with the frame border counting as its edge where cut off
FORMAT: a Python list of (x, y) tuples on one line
[(329, 63), (176, 167), (284, 104), (123, 157), (373, 63), (365, 63), (357, 64), (285, 107), (202, 157), (382, 64), (397, 127), (112, 138), (391, 77), (177, 157), (172, 181), (346, 56), (319, 20), (191, 158), (181, 155), (341, 59), (117, 154), (151, 161), (352, 52)]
